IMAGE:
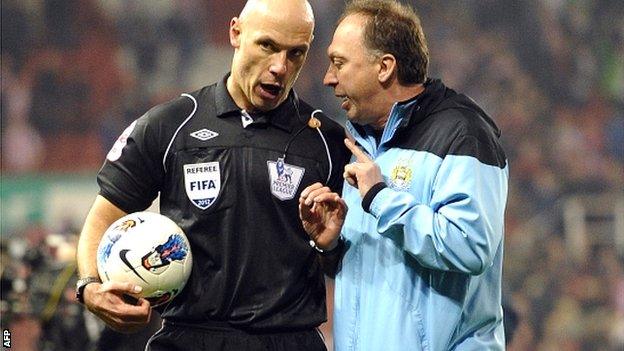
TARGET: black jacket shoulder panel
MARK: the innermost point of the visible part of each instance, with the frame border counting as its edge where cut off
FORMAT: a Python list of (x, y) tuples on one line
[(448, 123)]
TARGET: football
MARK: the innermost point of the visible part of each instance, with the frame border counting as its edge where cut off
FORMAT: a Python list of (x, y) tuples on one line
[(149, 250)]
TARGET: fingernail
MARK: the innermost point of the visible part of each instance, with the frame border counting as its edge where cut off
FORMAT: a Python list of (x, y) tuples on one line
[(137, 289)]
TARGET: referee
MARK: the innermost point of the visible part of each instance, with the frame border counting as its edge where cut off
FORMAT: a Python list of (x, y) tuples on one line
[(229, 162)]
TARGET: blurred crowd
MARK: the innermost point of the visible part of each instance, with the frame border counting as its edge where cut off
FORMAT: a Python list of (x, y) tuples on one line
[(75, 73)]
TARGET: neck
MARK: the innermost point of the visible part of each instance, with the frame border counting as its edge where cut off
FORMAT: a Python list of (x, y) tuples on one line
[(406, 92), (380, 123), (395, 93), (237, 95)]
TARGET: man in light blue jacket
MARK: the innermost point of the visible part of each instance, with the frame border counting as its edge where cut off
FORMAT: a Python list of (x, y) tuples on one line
[(426, 193)]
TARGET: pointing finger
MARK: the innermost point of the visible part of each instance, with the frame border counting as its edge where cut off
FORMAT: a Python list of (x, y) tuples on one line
[(360, 155)]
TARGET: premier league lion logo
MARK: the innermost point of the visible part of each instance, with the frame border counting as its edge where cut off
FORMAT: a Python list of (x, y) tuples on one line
[(125, 225), (162, 255), (284, 179)]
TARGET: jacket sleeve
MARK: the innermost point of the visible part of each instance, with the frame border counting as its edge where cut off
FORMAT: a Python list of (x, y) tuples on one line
[(461, 226)]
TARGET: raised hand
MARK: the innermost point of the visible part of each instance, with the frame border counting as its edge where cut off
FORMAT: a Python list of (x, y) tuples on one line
[(322, 214), (364, 172)]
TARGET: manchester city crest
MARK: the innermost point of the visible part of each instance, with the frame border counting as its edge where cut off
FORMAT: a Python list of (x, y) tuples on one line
[(284, 179), (401, 176), (202, 182)]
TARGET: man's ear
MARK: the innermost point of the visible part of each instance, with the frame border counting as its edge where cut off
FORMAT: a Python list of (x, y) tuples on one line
[(387, 68), (235, 32)]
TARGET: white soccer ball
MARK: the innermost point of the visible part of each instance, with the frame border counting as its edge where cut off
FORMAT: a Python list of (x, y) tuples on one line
[(149, 250)]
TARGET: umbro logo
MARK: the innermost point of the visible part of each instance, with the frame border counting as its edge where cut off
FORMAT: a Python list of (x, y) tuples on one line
[(204, 134)]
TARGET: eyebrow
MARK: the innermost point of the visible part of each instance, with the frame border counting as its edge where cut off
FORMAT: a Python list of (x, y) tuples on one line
[(334, 55), (272, 42)]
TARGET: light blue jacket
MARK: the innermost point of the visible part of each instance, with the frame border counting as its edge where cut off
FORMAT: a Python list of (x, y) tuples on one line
[(422, 270)]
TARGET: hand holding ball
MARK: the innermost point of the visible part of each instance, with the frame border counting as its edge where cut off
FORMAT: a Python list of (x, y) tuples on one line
[(149, 250)]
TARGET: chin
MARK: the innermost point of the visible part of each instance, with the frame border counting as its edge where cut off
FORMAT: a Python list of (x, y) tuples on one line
[(266, 107), (351, 116), (259, 103)]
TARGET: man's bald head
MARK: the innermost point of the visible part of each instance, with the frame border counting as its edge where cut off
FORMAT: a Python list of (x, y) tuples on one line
[(271, 39), (293, 10)]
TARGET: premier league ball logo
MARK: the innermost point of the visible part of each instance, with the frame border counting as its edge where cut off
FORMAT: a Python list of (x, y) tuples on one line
[(173, 250)]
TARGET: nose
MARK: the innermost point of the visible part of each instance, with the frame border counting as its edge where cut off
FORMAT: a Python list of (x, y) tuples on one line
[(279, 63), (330, 78)]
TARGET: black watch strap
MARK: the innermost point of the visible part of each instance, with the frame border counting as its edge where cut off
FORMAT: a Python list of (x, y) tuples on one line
[(81, 284), (333, 251)]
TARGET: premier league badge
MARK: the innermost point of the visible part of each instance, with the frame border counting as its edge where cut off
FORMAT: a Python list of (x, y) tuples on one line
[(202, 182), (284, 179), (115, 152)]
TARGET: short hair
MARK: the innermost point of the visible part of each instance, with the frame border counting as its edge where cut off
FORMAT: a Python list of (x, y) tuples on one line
[(394, 28)]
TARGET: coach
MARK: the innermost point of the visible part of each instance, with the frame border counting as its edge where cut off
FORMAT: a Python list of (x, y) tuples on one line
[(426, 193)]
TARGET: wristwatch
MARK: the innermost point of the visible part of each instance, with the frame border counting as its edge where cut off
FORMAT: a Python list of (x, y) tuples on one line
[(81, 284)]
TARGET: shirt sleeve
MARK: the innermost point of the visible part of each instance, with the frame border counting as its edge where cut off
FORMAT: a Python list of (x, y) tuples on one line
[(461, 227), (132, 172)]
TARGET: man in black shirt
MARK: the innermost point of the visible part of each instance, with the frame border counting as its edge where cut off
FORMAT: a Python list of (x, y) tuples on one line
[(256, 281)]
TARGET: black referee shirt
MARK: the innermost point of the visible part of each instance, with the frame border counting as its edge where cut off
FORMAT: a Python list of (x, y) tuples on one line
[(232, 181)]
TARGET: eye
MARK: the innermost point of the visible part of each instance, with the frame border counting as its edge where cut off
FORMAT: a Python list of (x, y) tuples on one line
[(297, 54), (266, 45)]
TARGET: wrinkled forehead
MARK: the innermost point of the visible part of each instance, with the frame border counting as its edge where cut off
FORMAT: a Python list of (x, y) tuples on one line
[(348, 34), (352, 26), (277, 26)]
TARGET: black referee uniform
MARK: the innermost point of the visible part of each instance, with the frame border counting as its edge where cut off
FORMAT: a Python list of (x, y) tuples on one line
[(231, 181)]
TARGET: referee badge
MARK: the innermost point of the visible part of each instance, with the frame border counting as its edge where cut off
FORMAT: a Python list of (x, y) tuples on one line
[(202, 182), (284, 179)]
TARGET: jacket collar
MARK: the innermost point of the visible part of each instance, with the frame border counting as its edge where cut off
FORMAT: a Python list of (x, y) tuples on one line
[(426, 102), (404, 113)]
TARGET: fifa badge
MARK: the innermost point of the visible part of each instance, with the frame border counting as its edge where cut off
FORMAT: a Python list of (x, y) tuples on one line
[(284, 179), (202, 182)]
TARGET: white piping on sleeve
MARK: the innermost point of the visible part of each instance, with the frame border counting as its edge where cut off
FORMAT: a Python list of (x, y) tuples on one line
[(318, 129), (178, 130)]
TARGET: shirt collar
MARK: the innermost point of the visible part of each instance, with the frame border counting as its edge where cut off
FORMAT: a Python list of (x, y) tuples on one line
[(285, 116), (224, 103)]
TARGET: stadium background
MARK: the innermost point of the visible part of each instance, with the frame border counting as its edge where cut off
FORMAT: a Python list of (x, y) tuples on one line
[(75, 73)]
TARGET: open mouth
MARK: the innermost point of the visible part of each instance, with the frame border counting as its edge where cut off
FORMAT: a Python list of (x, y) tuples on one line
[(271, 90)]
